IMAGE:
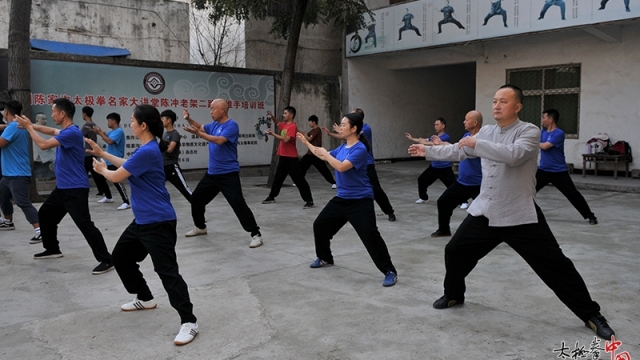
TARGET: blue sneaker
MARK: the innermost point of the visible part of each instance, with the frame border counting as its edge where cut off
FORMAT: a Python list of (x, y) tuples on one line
[(319, 263), (390, 279)]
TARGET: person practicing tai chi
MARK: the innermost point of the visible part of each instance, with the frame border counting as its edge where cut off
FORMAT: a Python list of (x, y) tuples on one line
[(437, 170), (172, 169), (153, 229), (71, 194), (353, 202), (553, 166), (505, 211), (314, 136), (15, 174), (468, 183), (223, 173), (288, 163), (115, 140)]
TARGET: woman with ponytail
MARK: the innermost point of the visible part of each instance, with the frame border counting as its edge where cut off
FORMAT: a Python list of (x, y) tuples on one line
[(153, 230), (354, 200)]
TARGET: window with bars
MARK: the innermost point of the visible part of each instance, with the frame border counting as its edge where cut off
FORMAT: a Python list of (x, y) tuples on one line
[(550, 87)]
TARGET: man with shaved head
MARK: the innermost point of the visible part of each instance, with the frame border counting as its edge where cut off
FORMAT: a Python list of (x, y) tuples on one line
[(468, 183), (223, 173), (505, 211)]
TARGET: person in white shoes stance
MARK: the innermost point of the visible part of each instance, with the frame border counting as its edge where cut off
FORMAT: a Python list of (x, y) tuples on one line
[(153, 230), (115, 140), (223, 173)]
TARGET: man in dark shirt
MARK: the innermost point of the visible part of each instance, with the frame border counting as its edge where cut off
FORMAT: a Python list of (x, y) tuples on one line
[(87, 132), (172, 169), (314, 136)]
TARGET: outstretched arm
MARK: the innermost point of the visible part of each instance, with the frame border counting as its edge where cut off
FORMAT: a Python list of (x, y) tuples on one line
[(33, 130)]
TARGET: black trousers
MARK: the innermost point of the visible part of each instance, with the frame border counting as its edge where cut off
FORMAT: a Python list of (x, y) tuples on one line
[(562, 181), (378, 194), (157, 240), (308, 160), (537, 246), (290, 166), (361, 215), (229, 184), (119, 186), (450, 199), (430, 175), (101, 182), (76, 203), (173, 174)]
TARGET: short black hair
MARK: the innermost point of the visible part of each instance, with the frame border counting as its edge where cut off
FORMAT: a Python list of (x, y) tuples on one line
[(519, 94), (114, 116), (87, 110), (170, 114), (359, 111), (442, 120), (65, 105), (291, 109), (14, 107), (553, 114), (313, 118)]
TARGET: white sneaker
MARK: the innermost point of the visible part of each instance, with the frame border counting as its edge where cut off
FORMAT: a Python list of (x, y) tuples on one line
[(255, 241), (139, 305), (334, 186), (124, 206), (105, 200), (420, 201), (464, 205), (188, 332), (196, 231)]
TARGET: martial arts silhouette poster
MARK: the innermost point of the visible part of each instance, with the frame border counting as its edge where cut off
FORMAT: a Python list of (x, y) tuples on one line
[(426, 23), (119, 88)]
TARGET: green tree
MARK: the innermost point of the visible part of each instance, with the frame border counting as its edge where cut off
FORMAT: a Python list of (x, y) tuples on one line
[(288, 25)]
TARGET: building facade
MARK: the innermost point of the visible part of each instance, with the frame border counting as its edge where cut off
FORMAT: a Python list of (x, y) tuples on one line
[(155, 30)]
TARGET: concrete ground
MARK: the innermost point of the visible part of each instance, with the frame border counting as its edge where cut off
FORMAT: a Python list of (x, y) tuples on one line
[(266, 303)]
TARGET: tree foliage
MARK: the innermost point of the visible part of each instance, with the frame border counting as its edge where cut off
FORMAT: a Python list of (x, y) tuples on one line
[(339, 12)]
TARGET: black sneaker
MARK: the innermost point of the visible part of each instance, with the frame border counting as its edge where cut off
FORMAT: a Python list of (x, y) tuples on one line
[(100, 194), (269, 200), (47, 254), (392, 217), (308, 205), (593, 220), (7, 226), (36, 239), (103, 268), (601, 327), (444, 302), (439, 233)]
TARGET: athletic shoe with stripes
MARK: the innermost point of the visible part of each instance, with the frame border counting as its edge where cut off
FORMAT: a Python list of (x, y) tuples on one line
[(188, 332), (139, 305)]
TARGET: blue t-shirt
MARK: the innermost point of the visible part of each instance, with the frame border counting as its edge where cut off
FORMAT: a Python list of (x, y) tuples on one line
[(353, 183), (150, 201), (117, 148), (470, 170), (15, 156), (69, 168), (366, 130), (223, 159), (442, 164), (552, 159)]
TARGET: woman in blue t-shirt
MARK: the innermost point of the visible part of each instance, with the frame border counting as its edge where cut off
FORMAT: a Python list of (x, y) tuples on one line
[(153, 230), (354, 201)]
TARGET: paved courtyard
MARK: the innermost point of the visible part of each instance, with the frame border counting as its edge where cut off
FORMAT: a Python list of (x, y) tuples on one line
[(266, 303)]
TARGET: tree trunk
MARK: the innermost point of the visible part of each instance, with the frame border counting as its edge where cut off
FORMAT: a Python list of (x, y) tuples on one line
[(20, 67), (286, 82)]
